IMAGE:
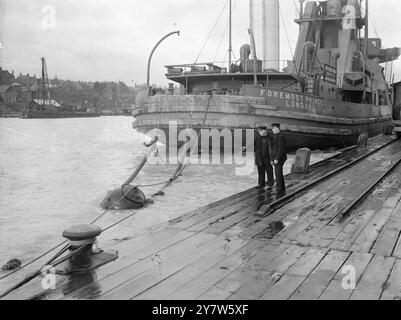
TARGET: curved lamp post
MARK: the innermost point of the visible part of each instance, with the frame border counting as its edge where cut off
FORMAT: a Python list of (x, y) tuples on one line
[(151, 55)]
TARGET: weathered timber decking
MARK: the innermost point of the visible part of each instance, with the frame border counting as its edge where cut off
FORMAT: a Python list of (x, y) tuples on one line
[(224, 251)]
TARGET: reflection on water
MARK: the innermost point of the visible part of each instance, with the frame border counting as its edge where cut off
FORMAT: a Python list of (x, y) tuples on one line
[(55, 172)]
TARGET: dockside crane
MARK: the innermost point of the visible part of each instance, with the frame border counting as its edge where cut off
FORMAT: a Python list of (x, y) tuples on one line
[(45, 96)]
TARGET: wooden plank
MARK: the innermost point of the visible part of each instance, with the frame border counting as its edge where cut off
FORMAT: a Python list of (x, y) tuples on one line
[(386, 242), (335, 290), (253, 284), (163, 289), (221, 215), (317, 169), (329, 230), (244, 273), (260, 281), (129, 252), (303, 216), (139, 267), (232, 218), (320, 232), (352, 230), (288, 214), (136, 250), (374, 279), (357, 223), (397, 249), (366, 239), (294, 276), (393, 221), (204, 281), (204, 214), (172, 266), (392, 290), (143, 245), (318, 280), (261, 261), (302, 230), (223, 289), (284, 288)]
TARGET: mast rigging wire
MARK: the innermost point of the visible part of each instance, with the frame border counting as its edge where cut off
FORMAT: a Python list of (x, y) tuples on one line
[(211, 32), (286, 33), (224, 34)]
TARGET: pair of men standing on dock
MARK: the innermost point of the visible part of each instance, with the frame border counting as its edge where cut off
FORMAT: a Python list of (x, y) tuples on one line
[(270, 151)]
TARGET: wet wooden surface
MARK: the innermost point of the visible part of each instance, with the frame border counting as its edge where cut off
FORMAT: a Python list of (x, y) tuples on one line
[(301, 251)]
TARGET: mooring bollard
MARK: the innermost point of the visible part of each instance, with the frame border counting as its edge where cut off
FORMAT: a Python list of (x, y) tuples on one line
[(84, 257), (363, 140), (82, 235), (302, 161)]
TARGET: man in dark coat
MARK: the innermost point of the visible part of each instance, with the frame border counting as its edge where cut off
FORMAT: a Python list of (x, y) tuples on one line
[(262, 158), (278, 153)]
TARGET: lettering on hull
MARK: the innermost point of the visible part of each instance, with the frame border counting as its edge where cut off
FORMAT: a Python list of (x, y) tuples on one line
[(293, 100)]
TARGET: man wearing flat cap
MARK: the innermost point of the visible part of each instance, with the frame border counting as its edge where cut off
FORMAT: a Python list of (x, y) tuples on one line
[(278, 154), (262, 158)]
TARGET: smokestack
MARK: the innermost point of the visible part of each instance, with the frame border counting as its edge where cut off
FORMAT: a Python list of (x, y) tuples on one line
[(271, 34)]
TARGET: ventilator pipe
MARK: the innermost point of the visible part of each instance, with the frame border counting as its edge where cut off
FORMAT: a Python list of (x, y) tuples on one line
[(336, 55), (255, 77), (245, 51), (309, 50)]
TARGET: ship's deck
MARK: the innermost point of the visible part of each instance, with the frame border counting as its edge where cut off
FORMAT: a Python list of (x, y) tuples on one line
[(301, 251)]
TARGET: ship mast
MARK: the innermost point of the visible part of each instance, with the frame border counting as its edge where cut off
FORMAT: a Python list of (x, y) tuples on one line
[(251, 18), (230, 46), (366, 29), (252, 37)]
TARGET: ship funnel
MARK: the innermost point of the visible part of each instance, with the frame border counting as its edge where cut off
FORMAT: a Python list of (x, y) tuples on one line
[(271, 34)]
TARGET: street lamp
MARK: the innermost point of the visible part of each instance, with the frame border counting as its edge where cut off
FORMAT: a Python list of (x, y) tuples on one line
[(151, 55)]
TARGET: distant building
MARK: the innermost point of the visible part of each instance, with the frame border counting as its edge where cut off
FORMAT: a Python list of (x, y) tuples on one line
[(9, 94), (26, 80), (6, 77), (2, 107), (16, 93)]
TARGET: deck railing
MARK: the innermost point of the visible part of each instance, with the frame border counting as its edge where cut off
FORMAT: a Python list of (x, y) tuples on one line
[(218, 67)]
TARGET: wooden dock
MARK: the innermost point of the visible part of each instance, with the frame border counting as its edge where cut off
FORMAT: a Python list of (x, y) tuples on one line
[(301, 251)]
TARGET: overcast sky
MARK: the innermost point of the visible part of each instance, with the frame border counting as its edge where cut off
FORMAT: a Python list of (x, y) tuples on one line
[(110, 40)]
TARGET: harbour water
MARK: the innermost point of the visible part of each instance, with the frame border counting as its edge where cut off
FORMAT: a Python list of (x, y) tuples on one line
[(55, 173)]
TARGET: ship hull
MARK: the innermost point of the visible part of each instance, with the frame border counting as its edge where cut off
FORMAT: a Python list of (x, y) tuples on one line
[(295, 140), (57, 115), (320, 124)]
